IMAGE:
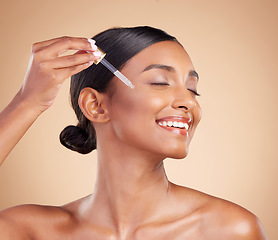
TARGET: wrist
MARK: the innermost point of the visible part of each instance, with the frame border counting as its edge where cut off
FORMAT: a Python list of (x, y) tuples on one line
[(26, 105)]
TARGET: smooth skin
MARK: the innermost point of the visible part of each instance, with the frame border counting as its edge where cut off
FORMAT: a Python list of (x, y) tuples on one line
[(133, 198)]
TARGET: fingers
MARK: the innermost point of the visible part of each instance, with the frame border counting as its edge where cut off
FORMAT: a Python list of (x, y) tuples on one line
[(65, 73), (46, 56), (71, 60), (69, 65), (40, 45), (53, 48)]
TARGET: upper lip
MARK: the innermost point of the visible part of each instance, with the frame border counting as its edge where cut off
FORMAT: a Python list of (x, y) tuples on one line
[(176, 119)]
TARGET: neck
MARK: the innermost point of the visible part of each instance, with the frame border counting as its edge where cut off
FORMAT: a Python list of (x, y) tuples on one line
[(129, 190)]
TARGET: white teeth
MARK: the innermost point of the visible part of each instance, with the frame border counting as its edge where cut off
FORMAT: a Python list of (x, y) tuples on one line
[(174, 124), (180, 124)]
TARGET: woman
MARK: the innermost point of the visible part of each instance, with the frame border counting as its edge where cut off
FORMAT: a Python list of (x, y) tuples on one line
[(133, 130)]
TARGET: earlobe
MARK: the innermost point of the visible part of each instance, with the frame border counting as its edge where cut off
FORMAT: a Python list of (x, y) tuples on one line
[(92, 104)]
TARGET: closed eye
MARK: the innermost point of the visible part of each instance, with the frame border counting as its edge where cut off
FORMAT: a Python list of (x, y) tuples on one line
[(160, 83), (193, 91), (167, 84)]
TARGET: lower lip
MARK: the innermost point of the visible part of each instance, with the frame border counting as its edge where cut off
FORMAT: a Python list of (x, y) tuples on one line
[(180, 131)]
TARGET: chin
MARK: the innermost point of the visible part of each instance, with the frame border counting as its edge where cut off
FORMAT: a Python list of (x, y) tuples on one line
[(178, 157), (178, 154)]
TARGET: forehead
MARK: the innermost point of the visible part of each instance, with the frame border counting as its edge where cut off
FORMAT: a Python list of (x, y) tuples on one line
[(168, 53)]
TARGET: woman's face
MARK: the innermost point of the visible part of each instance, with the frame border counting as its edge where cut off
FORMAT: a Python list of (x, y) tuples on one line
[(160, 115)]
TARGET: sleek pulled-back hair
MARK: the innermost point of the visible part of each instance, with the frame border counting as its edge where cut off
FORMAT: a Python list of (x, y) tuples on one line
[(120, 45)]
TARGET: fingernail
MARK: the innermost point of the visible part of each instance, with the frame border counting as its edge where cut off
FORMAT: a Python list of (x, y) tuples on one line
[(97, 54), (93, 44), (92, 41)]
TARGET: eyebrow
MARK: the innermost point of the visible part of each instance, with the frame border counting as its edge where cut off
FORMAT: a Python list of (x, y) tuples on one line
[(192, 73), (160, 66)]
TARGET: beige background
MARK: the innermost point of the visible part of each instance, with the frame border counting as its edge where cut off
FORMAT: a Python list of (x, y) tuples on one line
[(233, 44)]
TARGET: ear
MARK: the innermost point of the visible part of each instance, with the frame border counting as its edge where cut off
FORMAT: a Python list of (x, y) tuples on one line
[(91, 103)]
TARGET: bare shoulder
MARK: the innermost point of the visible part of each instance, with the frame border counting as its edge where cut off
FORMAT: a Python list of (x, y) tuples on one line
[(23, 222), (222, 219), (234, 221)]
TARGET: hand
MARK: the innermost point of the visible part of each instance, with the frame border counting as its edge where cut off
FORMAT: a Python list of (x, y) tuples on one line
[(48, 69)]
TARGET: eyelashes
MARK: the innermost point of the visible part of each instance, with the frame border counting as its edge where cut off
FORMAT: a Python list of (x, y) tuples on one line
[(167, 84), (160, 84), (195, 93)]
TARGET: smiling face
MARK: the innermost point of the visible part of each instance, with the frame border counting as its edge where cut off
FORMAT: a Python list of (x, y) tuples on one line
[(160, 115)]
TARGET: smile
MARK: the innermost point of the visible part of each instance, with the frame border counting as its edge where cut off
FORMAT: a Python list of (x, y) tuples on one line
[(174, 124)]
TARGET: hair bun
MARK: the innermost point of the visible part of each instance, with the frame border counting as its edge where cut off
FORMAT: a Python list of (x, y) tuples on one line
[(77, 139)]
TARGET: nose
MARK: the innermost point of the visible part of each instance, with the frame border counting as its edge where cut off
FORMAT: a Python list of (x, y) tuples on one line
[(183, 99)]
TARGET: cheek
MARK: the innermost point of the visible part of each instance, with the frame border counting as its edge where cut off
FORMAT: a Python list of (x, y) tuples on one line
[(136, 106), (133, 116), (197, 115)]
